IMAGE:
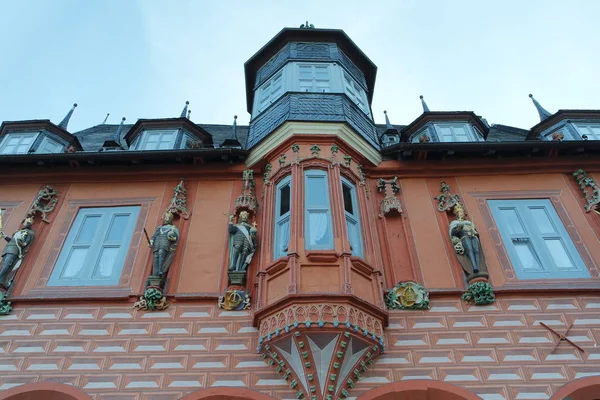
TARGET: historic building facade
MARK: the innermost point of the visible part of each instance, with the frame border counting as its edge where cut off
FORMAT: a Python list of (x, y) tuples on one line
[(312, 254)]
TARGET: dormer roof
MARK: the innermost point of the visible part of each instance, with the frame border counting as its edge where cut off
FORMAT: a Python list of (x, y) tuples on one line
[(143, 124), (39, 125), (444, 116)]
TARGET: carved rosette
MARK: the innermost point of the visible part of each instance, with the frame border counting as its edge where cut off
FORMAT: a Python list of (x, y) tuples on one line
[(390, 201), (590, 189), (321, 350), (408, 296)]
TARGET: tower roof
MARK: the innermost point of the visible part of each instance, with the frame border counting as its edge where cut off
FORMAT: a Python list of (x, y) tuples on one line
[(286, 35)]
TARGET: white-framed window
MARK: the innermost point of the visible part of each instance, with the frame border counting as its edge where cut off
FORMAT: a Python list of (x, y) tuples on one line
[(270, 91), (17, 143), (157, 140), (355, 92), (283, 213), (455, 132), (537, 243), (318, 232), (352, 214), (95, 249), (49, 146), (313, 77), (592, 131)]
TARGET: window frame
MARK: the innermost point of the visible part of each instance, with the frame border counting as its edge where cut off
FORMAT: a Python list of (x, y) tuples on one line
[(356, 244), (95, 246), (580, 126), (7, 137), (471, 134), (323, 208), (45, 141), (533, 235), (141, 141), (278, 235), (263, 102), (356, 93), (314, 88)]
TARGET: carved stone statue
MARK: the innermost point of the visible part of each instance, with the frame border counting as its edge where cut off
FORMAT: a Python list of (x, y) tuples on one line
[(14, 252), (163, 244), (465, 240), (243, 242)]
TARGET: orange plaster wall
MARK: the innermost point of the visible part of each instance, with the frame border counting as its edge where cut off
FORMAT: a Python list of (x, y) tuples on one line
[(207, 243), (420, 208), (320, 278)]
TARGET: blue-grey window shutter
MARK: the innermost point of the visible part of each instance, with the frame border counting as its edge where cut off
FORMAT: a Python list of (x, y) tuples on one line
[(95, 249), (538, 244)]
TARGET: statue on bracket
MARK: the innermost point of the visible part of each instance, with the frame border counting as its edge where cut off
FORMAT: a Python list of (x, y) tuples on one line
[(15, 250), (467, 246), (243, 244), (163, 244)]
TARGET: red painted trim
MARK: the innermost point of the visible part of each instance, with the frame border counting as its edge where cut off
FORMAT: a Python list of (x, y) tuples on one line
[(580, 389), (425, 388), (227, 393), (44, 390)]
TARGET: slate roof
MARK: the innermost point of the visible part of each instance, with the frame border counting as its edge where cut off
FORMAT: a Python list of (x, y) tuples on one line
[(497, 133), (93, 138)]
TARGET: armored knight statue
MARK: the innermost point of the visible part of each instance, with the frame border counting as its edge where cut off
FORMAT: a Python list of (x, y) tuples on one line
[(163, 244), (467, 246), (14, 252), (243, 242)]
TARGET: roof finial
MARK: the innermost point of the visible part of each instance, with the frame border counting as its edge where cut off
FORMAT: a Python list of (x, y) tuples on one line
[(425, 108), (388, 126), (235, 127), (189, 112), (184, 111), (117, 136), (65, 122), (307, 26), (105, 118), (541, 110)]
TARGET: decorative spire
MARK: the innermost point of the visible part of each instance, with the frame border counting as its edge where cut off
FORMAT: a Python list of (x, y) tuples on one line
[(541, 110), (105, 118), (425, 108), (117, 137), (189, 112), (65, 122), (233, 140), (388, 126), (185, 110)]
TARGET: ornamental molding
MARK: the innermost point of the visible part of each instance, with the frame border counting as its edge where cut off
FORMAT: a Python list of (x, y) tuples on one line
[(447, 201), (247, 199), (390, 201), (590, 189), (178, 204), (44, 203)]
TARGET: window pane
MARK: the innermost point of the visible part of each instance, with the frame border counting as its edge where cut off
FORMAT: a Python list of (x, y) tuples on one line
[(284, 202), (22, 148), (8, 149), (88, 229), (74, 263), (316, 191), (559, 254), (321, 72), (347, 195), (511, 220), (527, 256), (282, 237), (445, 133), (305, 71), (318, 228), (117, 227), (354, 236), (13, 140), (542, 220), (106, 262)]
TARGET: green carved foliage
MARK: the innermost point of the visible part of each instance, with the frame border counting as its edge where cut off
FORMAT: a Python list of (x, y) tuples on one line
[(480, 293)]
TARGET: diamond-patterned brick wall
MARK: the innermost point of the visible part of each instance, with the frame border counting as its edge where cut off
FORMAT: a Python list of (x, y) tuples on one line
[(497, 352)]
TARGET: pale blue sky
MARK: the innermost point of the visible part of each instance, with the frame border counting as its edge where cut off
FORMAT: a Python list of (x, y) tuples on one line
[(145, 58)]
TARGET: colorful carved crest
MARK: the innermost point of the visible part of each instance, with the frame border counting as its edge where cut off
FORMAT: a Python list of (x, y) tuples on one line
[(234, 300), (408, 296)]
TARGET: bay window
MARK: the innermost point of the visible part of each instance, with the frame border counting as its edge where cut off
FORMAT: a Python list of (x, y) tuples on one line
[(351, 213), (318, 232), (283, 208)]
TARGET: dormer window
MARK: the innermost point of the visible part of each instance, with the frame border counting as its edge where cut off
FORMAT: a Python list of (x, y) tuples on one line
[(454, 133), (49, 146), (592, 131), (17, 143), (355, 92)]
